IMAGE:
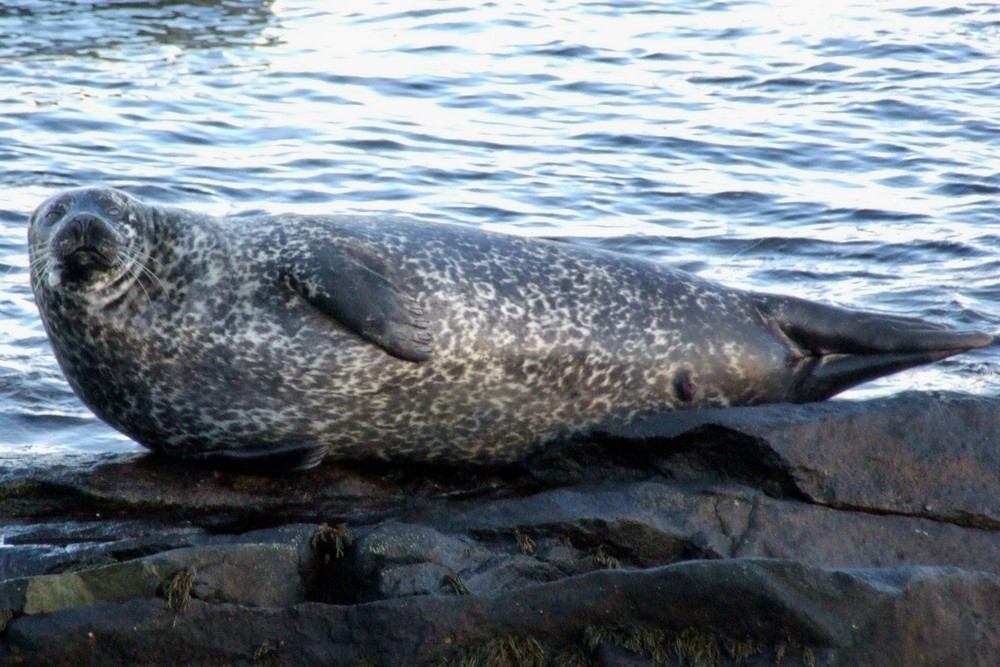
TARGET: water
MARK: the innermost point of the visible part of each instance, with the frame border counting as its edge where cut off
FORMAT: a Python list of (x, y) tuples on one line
[(840, 151)]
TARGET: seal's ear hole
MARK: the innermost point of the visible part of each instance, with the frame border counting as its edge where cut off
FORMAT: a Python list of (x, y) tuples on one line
[(684, 385)]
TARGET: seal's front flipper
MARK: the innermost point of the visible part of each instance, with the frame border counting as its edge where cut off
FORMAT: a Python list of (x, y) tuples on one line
[(845, 347), (366, 302), (293, 458)]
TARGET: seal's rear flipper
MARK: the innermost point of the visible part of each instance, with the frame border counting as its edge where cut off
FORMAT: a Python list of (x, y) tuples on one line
[(845, 347), (831, 374)]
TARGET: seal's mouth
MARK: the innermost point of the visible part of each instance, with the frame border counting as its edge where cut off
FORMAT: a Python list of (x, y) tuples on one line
[(78, 266), (86, 256)]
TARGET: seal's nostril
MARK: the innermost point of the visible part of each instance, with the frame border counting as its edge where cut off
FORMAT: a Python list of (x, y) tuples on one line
[(86, 229)]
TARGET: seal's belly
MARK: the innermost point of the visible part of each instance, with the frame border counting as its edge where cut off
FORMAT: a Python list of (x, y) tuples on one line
[(493, 391)]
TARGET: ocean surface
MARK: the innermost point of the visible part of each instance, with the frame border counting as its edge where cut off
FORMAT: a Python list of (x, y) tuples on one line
[(843, 151)]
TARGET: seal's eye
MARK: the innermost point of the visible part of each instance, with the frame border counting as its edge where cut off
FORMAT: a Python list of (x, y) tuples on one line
[(54, 214), (114, 211)]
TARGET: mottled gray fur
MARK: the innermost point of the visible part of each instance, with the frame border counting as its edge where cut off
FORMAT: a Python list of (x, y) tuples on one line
[(197, 335)]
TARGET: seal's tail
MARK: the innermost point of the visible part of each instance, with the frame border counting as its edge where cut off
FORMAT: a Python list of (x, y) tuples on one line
[(845, 347)]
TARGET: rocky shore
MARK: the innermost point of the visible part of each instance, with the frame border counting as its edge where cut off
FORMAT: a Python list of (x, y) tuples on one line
[(837, 533)]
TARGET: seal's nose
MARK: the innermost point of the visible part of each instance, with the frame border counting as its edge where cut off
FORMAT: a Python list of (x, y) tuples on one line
[(83, 230), (83, 244)]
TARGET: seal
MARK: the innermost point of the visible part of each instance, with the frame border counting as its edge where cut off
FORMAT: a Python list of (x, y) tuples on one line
[(274, 341)]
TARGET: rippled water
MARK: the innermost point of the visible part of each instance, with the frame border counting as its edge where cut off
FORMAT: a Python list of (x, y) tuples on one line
[(840, 151)]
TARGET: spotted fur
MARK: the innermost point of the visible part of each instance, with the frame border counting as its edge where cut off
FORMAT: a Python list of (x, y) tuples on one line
[(193, 335)]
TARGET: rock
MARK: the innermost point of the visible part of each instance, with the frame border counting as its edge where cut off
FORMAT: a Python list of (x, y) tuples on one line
[(45, 548), (838, 533), (920, 454), (802, 614), (247, 574), (651, 523), (400, 560)]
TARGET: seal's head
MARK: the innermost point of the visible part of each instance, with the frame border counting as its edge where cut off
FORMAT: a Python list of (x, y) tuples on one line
[(86, 240)]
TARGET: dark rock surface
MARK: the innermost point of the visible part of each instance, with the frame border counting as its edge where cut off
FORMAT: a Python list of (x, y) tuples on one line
[(840, 533)]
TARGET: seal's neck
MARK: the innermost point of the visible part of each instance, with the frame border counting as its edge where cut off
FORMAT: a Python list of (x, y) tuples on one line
[(176, 236)]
